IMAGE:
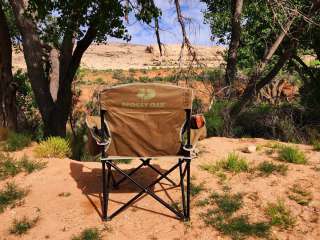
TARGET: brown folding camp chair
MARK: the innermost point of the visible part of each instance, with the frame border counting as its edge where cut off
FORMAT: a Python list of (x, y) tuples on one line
[(144, 121)]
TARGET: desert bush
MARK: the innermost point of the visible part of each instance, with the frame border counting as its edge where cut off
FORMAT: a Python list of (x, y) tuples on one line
[(17, 141), (216, 119), (222, 218), (213, 76), (8, 166), (232, 163), (124, 161), (88, 234), (196, 189), (279, 215), (316, 145), (118, 74), (29, 118), (267, 168), (10, 195), (56, 147), (11, 167), (300, 195), (292, 155), (197, 106), (282, 122), (23, 225), (30, 165)]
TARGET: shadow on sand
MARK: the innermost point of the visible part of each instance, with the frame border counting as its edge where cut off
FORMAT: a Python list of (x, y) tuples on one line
[(89, 180)]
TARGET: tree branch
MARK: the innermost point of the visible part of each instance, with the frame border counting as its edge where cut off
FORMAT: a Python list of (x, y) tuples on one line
[(82, 46)]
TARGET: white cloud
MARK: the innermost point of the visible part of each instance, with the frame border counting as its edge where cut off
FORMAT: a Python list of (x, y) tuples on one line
[(198, 32)]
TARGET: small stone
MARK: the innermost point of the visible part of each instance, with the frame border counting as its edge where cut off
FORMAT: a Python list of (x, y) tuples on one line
[(250, 149)]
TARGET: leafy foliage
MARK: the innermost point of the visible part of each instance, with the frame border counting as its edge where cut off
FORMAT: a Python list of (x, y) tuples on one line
[(88, 234), (195, 189), (292, 155), (30, 165), (316, 145), (233, 163), (280, 215), (300, 195), (28, 115), (267, 168), (17, 141), (23, 225), (53, 147), (215, 121), (11, 167), (10, 195), (222, 218)]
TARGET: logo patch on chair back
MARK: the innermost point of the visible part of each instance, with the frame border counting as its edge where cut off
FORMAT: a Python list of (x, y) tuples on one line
[(146, 93)]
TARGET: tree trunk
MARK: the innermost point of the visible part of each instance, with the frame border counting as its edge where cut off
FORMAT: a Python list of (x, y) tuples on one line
[(8, 88), (255, 87), (53, 93), (231, 70)]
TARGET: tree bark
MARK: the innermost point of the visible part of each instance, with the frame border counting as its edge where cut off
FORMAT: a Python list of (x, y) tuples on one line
[(54, 105), (254, 87), (231, 70), (156, 26), (7, 86)]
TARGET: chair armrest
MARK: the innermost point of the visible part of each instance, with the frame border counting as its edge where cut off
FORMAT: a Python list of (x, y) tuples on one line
[(94, 125), (198, 131)]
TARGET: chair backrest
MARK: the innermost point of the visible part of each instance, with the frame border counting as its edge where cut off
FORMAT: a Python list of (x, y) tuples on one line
[(145, 120)]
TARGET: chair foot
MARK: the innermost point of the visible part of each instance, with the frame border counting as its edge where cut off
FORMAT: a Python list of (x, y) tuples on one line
[(106, 219), (186, 219)]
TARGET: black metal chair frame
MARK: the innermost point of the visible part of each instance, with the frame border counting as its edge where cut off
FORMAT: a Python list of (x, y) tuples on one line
[(184, 171)]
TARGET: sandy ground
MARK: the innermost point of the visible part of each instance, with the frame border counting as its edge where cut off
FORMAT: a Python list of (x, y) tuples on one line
[(126, 56), (62, 217)]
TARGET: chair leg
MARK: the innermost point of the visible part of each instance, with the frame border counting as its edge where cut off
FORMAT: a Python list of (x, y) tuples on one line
[(183, 196), (157, 171), (104, 193), (188, 188), (105, 188)]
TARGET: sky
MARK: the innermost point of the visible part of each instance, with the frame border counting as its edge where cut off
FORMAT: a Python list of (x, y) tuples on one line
[(170, 32)]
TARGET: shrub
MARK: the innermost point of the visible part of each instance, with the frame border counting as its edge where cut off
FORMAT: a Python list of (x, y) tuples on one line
[(17, 141), (195, 189), (215, 118), (22, 226), (222, 218), (53, 147), (98, 81), (11, 167), (30, 165), (300, 195), (280, 215), (8, 167), (240, 227), (124, 161), (227, 203), (233, 163), (292, 155), (28, 115), (11, 194), (118, 74), (88, 234), (316, 145), (197, 106), (267, 168)]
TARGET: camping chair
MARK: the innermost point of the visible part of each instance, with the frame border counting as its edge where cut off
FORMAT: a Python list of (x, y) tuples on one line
[(144, 121)]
